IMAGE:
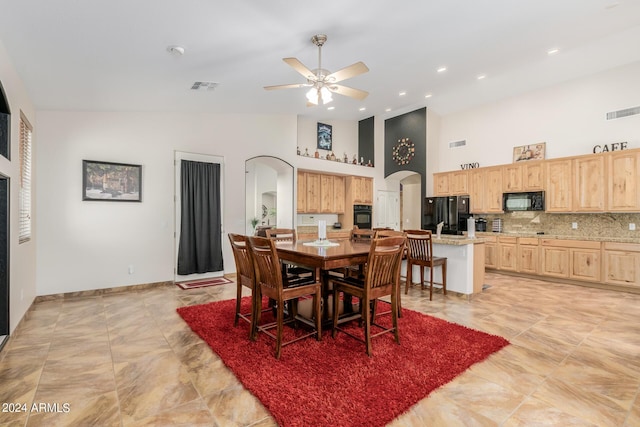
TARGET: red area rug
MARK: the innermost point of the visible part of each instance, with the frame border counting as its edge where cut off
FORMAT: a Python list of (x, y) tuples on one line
[(333, 382), (203, 283)]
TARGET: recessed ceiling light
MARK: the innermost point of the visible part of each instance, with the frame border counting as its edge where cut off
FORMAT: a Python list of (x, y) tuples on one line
[(482, 76), (403, 93), (442, 69), (175, 50), (429, 95), (331, 108), (362, 108), (553, 51), (387, 109)]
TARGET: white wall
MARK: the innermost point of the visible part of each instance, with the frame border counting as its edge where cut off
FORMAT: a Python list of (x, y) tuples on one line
[(89, 245), (344, 136), (22, 257), (569, 117)]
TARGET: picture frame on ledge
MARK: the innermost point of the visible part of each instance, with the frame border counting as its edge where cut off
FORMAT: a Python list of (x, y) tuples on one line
[(325, 136), (525, 153), (111, 182)]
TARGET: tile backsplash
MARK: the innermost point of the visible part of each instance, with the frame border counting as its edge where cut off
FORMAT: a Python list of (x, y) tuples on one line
[(600, 225)]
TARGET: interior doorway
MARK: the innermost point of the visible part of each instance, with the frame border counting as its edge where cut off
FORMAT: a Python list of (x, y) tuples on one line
[(409, 185), (4, 259), (211, 220)]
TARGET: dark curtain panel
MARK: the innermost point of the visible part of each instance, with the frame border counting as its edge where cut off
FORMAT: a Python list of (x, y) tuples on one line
[(200, 248)]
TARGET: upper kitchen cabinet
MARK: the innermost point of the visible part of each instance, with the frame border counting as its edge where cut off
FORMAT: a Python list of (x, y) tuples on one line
[(320, 193), (493, 190), (441, 184), (454, 183), (360, 190), (589, 189), (523, 176), (623, 186), (559, 185), (476, 190)]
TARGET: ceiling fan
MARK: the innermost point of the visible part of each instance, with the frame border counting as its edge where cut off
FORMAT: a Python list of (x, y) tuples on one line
[(321, 81)]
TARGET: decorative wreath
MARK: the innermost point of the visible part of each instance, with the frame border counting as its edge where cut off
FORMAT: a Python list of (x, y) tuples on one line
[(404, 151)]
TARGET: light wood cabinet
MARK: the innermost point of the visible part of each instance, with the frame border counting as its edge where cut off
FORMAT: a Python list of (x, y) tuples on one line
[(320, 193), (326, 194), (528, 255), (586, 263), (313, 192), (621, 264), (558, 197), (512, 178), (571, 259), (454, 183), (441, 184), (533, 176), (338, 194), (491, 258), (493, 190), (360, 190), (623, 182), (476, 190), (507, 247), (301, 206), (459, 182), (589, 184)]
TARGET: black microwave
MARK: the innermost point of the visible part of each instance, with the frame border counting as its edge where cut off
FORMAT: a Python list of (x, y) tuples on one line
[(533, 201)]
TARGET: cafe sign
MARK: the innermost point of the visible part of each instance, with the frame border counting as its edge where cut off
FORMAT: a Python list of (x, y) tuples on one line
[(615, 146)]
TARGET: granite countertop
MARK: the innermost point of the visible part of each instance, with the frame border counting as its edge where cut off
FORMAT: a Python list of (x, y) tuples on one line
[(453, 240), (560, 236)]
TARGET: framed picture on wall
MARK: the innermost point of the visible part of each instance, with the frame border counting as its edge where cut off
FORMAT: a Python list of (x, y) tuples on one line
[(324, 136), (529, 152), (111, 182)]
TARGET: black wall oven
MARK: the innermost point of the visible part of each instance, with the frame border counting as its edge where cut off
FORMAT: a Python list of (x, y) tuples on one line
[(362, 216)]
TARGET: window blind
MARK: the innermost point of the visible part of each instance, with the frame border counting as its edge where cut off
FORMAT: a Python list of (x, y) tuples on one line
[(24, 233)]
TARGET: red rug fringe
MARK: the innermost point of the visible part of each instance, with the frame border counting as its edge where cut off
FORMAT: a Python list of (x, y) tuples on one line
[(333, 382), (203, 283)]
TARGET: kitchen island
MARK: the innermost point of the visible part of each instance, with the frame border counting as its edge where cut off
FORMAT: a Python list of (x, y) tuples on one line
[(465, 263)]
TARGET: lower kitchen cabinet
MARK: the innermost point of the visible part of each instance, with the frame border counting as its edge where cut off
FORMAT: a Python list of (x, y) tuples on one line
[(528, 255), (508, 250), (621, 264), (571, 259), (491, 259)]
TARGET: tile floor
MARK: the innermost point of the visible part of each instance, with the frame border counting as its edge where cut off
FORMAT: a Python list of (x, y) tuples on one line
[(128, 360)]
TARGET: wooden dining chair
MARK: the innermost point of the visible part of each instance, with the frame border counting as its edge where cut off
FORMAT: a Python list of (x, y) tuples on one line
[(245, 277), (420, 253), (389, 232), (362, 234), (271, 283), (382, 279)]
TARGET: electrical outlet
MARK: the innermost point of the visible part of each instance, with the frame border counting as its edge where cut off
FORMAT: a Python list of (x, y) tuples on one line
[(131, 269), (574, 225), (632, 226)]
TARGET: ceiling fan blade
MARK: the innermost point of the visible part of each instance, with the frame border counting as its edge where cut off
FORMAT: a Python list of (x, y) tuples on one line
[(300, 68), (347, 72), (349, 91), (291, 86)]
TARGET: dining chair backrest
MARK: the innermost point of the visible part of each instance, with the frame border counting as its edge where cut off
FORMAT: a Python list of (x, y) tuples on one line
[(266, 263), (383, 263), (388, 232), (419, 244), (244, 262), (362, 235), (282, 234)]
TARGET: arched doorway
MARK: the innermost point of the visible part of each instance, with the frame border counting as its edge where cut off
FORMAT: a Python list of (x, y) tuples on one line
[(269, 193), (409, 187)]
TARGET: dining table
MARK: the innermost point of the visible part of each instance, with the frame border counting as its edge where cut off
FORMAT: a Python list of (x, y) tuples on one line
[(323, 256)]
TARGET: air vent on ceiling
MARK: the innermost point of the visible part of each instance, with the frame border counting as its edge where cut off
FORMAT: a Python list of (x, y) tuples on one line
[(204, 85), (623, 113), (456, 144)]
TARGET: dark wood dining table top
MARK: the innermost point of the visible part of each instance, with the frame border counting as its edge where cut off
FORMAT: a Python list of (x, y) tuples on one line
[(324, 257)]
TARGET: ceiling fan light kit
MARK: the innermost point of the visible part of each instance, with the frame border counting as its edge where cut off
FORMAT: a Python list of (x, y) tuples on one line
[(321, 81)]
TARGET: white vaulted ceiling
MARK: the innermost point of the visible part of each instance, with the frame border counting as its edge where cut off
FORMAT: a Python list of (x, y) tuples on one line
[(111, 55)]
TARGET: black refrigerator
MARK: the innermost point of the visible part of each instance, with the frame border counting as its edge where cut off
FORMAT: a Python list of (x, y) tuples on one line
[(453, 211)]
